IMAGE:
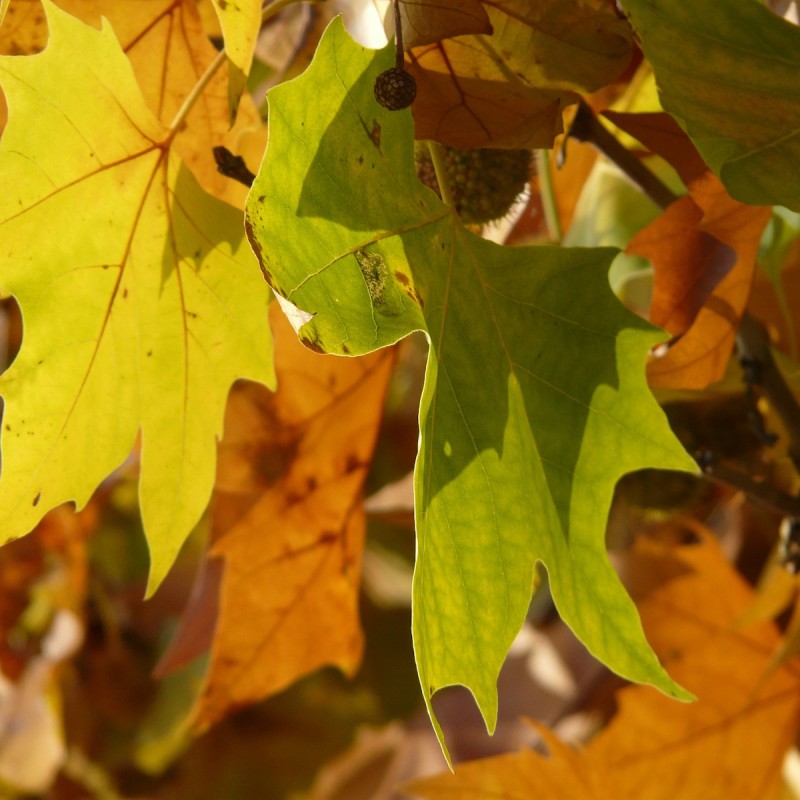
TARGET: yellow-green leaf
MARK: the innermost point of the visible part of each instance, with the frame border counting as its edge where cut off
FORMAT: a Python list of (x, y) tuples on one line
[(140, 301), (535, 399), (729, 72)]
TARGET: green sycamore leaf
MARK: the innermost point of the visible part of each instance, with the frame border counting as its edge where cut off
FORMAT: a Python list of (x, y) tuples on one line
[(728, 71), (141, 302), (535, 399)]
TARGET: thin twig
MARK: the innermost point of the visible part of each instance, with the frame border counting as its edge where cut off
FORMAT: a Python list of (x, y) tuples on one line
[(398, 36), (188, 104), (753, 342), (762, 494)]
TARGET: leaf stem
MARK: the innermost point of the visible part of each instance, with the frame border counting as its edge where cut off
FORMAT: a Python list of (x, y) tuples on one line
[(188, 104), (437, 157), (548, 195), (760, 493), (399, 55), (587, 128)]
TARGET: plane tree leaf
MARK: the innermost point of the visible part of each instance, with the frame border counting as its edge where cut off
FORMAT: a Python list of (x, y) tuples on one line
[(704, 249), (425, 22), (730, 743), (169, 52), (139, 311), (287, 514), (508, 89), (728, 73), (535, 399)]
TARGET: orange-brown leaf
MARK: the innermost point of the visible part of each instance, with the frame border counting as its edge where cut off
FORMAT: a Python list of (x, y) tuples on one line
[(704, 250), (426, 22), (689, 265), (729, 743), (509, 89), (565, 775), (660, 133), (288, 524)]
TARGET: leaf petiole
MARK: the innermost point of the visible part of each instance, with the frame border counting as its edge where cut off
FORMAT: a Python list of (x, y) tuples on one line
[(267, 12)]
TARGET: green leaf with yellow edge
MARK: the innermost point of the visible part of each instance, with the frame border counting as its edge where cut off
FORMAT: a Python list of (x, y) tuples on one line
[(141, 302), (535, 399), (728, 71)]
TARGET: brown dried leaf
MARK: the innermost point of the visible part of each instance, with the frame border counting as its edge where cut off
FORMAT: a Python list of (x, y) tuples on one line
[(425, 22), (729, 743), (499, 90), (659, 132), (689, 265), (288, 526), (565, 775), (704, 250)]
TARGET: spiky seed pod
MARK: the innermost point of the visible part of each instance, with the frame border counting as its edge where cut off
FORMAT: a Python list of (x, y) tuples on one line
[(395, 89), (484, 183)]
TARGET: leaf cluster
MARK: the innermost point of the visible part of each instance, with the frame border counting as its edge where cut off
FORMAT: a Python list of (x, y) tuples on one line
[(513, 399)]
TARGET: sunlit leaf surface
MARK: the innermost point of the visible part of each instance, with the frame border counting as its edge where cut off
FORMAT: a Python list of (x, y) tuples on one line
[(140, 300), (535, 399)]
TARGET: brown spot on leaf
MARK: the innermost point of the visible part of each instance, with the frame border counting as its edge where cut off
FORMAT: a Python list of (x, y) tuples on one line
[(353, 463), (375, 134), (312, 344), (37, 498)]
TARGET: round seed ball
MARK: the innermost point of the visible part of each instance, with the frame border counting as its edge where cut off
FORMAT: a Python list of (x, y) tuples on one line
[(395, 89)]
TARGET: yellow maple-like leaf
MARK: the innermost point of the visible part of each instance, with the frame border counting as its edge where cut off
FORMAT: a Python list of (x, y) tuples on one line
[(169, 52), (288, 528), (141, 301), (730, 743)]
